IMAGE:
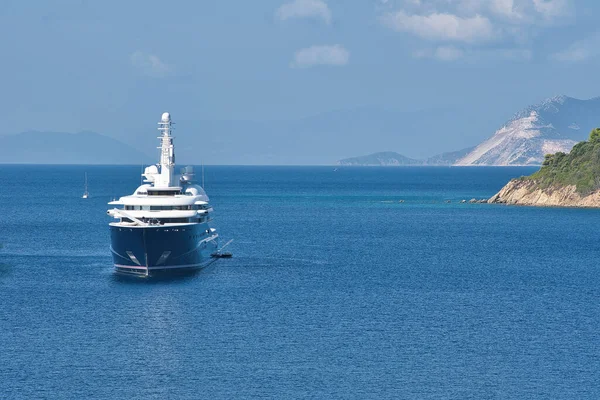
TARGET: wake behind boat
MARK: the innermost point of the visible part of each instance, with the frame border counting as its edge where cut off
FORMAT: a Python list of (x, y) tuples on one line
[(85, 188), (164, 224)]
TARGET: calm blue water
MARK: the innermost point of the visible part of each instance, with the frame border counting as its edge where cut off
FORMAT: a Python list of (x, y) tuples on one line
[(336, 290)]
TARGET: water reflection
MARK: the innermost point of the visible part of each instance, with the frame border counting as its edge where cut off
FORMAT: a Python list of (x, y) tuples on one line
[(162, 277)]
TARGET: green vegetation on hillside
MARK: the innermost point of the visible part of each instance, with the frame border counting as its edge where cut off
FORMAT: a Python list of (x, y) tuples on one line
[(581, 167)]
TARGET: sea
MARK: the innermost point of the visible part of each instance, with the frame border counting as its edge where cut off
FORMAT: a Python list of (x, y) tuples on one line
[(365, 283)]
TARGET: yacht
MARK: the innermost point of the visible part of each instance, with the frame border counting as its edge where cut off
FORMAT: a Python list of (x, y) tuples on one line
[(164, 225)]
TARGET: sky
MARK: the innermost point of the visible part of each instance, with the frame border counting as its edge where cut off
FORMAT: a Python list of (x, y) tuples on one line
[(114, 66)]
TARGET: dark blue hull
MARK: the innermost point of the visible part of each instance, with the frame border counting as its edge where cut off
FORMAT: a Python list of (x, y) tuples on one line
[(148, 250)]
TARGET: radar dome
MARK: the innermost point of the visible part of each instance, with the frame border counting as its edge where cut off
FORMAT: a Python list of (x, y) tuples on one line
[(166, 117), (151, 170)]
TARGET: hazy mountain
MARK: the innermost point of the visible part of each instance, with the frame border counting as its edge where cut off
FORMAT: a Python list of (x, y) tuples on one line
[(390, 158), (387, 158), (318, 139), (448, 158), (555, 124), (67, 148)]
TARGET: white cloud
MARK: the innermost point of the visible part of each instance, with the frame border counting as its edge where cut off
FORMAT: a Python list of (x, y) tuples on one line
[(452, 53), (305, 9), (335, 55), (466, 6), (572, 54), (507, 9), (552, 8), (480, 29), (499, 11), (149, 64), (579, 51), (444, 27)]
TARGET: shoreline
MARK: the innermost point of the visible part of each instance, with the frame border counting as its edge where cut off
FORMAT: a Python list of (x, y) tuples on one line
[(528, 193)]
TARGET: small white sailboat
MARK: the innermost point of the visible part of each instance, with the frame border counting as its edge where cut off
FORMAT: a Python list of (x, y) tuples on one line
[(85, 189)]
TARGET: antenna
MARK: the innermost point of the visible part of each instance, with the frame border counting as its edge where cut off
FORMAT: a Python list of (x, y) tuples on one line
[(202, 174)]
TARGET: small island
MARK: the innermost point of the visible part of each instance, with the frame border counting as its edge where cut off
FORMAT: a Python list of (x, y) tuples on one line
[(564, 180)]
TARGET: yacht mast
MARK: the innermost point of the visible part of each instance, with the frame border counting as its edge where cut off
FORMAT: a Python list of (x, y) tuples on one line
[(167, 153)]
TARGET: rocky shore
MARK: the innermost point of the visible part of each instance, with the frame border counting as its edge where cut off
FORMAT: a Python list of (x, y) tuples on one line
[(527, 192)]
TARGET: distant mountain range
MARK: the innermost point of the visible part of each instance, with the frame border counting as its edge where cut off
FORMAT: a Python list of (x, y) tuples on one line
[(67, 148), (313, 140), (310, 140), (556, 124), (390, 158)]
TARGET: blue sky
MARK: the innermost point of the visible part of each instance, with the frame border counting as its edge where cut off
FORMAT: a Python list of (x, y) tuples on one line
[(114, 66)]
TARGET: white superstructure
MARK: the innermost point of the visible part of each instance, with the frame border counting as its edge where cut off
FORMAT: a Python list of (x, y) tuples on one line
[(164, 197)]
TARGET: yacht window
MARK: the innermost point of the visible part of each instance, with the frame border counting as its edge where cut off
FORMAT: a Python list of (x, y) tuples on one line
[(162, 208), (163, 192), (173, 220)]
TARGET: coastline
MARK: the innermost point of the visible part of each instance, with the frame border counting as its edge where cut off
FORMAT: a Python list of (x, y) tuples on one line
[(527, 192)]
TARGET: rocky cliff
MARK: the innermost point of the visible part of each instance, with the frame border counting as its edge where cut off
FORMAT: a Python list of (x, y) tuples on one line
[(565, 180), (529, 193)]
